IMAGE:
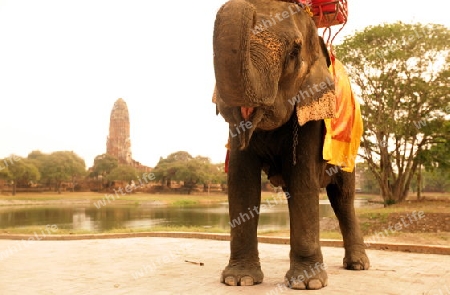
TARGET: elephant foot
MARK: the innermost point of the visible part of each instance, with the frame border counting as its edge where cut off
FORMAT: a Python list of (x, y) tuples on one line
[(356, 261), (241, 274), (307, 276)]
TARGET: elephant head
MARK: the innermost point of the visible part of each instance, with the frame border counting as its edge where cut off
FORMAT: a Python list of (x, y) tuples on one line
[(269, 61)]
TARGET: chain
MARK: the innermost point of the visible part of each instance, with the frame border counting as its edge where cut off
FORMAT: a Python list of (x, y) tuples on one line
[(295, 140)]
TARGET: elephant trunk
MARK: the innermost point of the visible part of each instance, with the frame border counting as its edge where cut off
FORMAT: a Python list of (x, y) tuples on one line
[(245, 69)]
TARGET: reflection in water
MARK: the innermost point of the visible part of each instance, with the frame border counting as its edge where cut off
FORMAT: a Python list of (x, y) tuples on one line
[(80, 220), (275, 217)]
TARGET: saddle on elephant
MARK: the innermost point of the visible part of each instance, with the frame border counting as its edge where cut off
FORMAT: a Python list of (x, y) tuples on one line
[(325, 13)]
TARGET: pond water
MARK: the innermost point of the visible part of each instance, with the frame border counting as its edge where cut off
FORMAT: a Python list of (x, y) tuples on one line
[(274, 217)]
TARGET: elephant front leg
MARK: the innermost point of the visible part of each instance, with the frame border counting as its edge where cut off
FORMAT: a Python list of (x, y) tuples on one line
[(244, 197), (307, 270)]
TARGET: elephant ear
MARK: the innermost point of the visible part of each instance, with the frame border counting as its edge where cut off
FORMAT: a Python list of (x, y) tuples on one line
[(316, 98), (324, 51)]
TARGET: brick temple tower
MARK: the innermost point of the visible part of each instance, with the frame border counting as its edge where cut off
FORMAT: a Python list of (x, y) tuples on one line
[(118, 142)]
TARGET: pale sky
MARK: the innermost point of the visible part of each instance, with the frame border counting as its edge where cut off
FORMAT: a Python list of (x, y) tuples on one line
[(63, 64)]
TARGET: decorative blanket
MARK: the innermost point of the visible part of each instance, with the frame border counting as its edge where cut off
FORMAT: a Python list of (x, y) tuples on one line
[(343, 133)]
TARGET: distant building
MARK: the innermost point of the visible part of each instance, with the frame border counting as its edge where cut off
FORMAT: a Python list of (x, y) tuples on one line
[(118, 143)]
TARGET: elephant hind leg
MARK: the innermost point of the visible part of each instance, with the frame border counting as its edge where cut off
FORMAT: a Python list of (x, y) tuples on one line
[(341, 192)]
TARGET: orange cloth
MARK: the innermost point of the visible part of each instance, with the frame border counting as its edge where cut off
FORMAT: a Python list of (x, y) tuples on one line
[(343, 135)]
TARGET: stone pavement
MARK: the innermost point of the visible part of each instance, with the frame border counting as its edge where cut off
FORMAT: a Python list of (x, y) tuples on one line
[(156, 265)]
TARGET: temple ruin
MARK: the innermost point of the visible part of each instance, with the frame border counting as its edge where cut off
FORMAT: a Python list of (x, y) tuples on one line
[(118, 143)]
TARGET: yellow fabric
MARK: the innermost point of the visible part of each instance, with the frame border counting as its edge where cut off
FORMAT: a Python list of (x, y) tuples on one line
[(344, 132)]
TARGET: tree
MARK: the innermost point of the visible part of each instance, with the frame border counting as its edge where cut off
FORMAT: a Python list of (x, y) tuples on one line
[(166, 169), (367, 182), (432, 181), (38, 159), (401, 72), (19, 170), (218, 174), (198, 170), (62, 166), (182, 166), (122, 172), (436, 162), (103, 165), (37, 155), (436, 181), (437, 157)]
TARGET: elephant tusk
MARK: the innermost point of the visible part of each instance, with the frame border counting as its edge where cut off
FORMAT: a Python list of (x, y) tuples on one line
[(246, 136)]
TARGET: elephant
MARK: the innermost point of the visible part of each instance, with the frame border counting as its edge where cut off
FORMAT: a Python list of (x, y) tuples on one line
[(266, 53)]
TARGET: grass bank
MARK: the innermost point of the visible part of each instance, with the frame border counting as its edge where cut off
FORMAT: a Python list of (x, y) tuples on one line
[(92, 197)]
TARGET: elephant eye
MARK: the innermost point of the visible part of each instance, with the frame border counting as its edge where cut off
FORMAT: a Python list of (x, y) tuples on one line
[(294, 52), (293, 56), (296, 49)]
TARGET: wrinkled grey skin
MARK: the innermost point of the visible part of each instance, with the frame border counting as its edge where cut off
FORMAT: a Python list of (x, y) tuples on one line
[(256, 75)]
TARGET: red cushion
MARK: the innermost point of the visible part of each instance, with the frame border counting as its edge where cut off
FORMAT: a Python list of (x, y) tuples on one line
[(327, 12), (325, 5)]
